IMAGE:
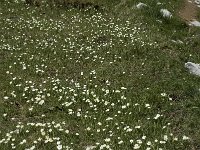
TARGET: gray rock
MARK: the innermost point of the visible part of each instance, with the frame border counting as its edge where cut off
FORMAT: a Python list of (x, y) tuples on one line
[(193, 68), (140, 5)]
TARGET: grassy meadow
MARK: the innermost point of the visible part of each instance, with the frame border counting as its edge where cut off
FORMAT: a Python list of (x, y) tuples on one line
[(103, 76)]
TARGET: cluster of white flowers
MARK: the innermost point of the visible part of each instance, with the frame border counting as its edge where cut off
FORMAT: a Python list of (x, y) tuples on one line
[(61, 83)]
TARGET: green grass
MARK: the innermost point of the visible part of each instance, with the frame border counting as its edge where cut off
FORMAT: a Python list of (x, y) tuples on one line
[(111, 78)]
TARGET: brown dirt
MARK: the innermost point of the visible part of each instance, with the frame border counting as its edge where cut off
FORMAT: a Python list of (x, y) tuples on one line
[(189, 11)]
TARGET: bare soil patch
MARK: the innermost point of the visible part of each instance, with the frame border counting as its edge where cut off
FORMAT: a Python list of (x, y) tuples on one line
[(189, 11)]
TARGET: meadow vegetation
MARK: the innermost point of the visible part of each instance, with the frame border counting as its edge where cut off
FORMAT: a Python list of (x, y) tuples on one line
[(83, 75)]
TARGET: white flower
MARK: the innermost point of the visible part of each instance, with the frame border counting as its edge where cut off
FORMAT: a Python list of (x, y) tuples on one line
[(4, 115), (143, 137), (147, 105), (131, 141), (67, 131), (109, 118), (185, 138), (123, 88), (175, 139), (99, 123), (6, 97), (102, 146), (78, 114), (149, 143), (136, 146), (165, 137), (30, 109), (163, 94), (139, 141), (59, 147), (88, 128), (123, 107), (31, 148), (41, 102), (157, 116), (43, 133), (107, 140), (129, 130), (137, 127), (162, 142), (90, 147), (24, 141)]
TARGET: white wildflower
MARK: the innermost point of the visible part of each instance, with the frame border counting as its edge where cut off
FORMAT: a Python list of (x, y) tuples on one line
[(90, 147), (41, 102), (137, 127), (163, 94), (185, 138), (157, 116), (165, 137), (107, 140), (136, 146)]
